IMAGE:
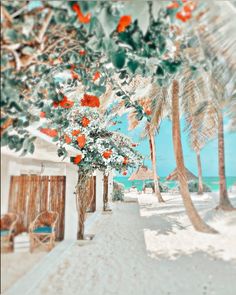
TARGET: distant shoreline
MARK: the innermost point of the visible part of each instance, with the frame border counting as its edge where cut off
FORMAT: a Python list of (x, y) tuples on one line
[(211, 181)]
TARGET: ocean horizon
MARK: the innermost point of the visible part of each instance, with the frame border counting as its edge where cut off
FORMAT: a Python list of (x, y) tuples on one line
[(211, 181)]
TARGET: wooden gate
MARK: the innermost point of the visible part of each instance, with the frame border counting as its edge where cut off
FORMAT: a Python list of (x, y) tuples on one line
[(31, 194)]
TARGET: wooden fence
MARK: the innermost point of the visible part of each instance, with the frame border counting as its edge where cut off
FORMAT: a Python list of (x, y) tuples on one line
[(31, 194)]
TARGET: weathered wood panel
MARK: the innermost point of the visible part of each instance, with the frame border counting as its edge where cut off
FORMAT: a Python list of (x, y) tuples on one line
[(57, 202), (31, 194)]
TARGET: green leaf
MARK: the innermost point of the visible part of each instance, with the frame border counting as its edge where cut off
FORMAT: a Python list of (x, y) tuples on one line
[(96, 27), (133, 65), (160, 71), (118, 59), (139, 116)]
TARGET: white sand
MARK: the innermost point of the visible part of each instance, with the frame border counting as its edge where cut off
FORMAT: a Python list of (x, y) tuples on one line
[(15, 265), (150, 248)]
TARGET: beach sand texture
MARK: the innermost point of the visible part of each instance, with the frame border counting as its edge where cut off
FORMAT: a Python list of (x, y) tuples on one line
[(146, 248)]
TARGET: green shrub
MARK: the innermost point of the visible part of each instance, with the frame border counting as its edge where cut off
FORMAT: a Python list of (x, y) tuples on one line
[(118, 192), (163, 188), (193, 187)]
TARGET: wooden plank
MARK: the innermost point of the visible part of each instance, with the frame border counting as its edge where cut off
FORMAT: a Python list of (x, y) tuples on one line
[(23, 189), (44, 186), (57, 202), (33, 197), (62, 207), (12, 194)]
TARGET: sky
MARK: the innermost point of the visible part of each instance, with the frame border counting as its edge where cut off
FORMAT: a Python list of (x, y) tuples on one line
[(165, 155)]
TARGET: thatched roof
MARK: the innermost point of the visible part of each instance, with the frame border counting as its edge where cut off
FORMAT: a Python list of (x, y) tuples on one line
[(142, 173), (174, 176)]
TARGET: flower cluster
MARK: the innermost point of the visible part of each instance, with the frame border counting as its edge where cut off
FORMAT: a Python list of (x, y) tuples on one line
[(83, 128)]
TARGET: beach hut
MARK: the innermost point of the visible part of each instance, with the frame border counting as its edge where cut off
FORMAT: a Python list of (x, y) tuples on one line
[(142, 173), (174, 176)]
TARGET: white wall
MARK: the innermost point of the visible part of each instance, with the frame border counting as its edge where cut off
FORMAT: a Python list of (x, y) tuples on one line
[(5, 183), (71, 215), (99, 190)]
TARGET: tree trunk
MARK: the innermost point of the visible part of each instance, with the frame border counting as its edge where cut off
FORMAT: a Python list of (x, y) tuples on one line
[(191, 211), (224, 199), (199, 167), (82, 201), (153, 159), (105, 192)]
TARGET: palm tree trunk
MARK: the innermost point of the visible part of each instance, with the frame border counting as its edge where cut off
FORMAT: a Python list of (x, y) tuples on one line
[(199, 167), (224, 199), (153, 159), (191, 211)]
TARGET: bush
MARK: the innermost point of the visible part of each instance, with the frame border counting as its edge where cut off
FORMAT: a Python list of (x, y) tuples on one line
[(118, 192), (163, 188), (193, 187)]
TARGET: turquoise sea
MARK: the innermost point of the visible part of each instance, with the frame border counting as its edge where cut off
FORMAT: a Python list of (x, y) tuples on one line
[(212, 182)]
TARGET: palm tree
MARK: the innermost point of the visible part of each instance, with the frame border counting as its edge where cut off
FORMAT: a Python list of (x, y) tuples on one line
[(146, 100), (153, 159), (218, 43), (191, 211), (199, 124)]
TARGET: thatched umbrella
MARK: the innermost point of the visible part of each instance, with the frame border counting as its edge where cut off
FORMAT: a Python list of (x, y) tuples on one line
[(142, 173), (174, 175)]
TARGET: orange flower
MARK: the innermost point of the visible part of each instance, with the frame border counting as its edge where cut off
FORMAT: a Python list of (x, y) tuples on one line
[(90, 101), (49, 132), (124, 22), (96, 76), (124, 173), (77, 159), (107, 154), (189, 7), (183, 16), (125, 161), (148, 112), (173, 5), (82, 52), (74, 75), (85, 121), (72, 67), (66, 103), (55, 104), (67, 139), (82, 18), (81, 139), (75, 132), (42, 115)]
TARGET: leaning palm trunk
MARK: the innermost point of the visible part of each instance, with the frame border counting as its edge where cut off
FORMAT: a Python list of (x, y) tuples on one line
[(199, 167), (153, 159), (191, 211), (82, 201), (224, 199)]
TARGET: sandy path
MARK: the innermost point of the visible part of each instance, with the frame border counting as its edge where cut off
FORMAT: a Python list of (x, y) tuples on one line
[(15, 265), (123, 260)]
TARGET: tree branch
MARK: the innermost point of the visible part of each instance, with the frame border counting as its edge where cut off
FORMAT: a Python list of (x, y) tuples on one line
[(45, 26)]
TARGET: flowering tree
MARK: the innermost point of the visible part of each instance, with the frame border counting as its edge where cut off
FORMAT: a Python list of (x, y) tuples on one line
[(76, 122)]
